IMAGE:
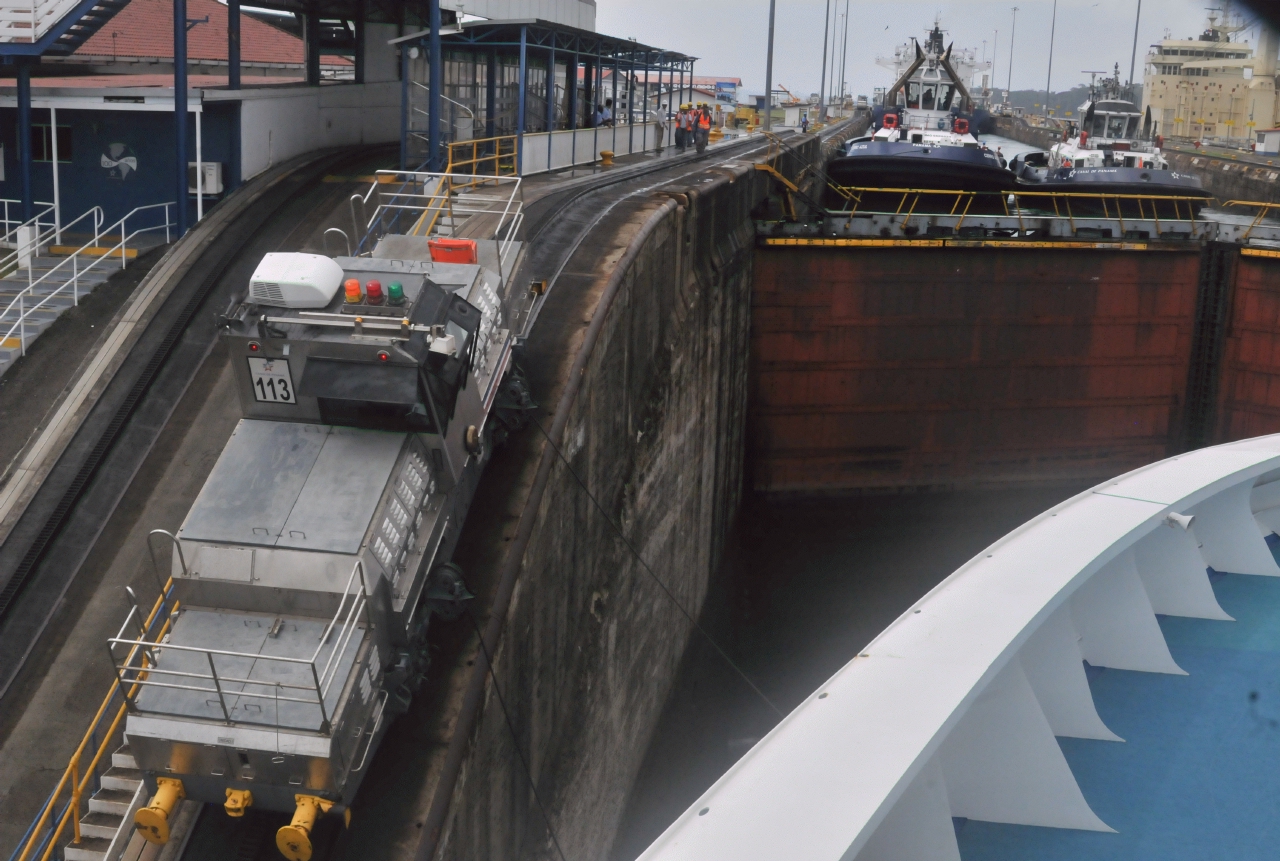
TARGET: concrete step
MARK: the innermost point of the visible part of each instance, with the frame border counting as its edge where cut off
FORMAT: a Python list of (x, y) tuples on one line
[(88, 849), (123, 757), (116, 777), (95, 823), (111, 801)]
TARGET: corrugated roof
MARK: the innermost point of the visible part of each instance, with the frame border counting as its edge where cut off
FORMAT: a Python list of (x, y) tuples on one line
[(144, 28)]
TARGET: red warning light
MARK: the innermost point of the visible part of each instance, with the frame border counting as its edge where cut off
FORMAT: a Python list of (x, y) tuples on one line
[(384, 356), (254, 346)]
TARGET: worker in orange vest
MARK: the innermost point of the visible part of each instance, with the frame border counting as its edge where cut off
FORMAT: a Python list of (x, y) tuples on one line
[(684, 126), (702, 134)]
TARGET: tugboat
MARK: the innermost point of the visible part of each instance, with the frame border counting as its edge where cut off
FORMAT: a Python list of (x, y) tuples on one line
[(1112, 152), (923, 135)]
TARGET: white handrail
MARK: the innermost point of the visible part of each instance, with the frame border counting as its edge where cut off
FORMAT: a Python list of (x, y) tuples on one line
[(507, 206), (346, 619), (32, 247), (74, 260), (8, 232), (953, 710)]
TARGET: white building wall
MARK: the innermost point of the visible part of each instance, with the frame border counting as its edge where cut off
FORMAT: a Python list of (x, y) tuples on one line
[(573, 13), (277, 124), (381, 59)]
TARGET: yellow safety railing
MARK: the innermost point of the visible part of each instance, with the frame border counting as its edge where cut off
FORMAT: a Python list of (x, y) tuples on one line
[(72, 778), (481, 157), (1264, 209), (1061, 201), (482, 160)]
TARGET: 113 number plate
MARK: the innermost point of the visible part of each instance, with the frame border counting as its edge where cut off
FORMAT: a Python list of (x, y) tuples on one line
[(271, 381)]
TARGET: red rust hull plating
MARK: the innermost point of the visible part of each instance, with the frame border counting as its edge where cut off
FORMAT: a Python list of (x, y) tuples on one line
[(899, 368)]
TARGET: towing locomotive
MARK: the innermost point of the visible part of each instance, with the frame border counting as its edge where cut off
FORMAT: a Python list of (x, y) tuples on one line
[(309, 567)]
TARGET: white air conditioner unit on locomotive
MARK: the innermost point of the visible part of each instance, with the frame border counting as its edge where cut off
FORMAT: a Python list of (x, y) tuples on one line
[(309, 566)]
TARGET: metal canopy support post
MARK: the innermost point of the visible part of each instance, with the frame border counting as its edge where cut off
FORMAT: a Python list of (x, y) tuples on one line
[(613, 112), (180, 107), (437, 83), (523, 89), (24, 140), (360, 45), (574, 122), (233, 44), (311, 45), (404, 106), (57, 195), (551, 99), (631, 103), (199, 170), (596, 86), (491, 96)]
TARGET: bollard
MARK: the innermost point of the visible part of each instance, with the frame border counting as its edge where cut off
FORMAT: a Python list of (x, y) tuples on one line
[(606, 158)]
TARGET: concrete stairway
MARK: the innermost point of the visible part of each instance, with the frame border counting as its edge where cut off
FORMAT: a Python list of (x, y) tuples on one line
[(110, 817), (36, 322)]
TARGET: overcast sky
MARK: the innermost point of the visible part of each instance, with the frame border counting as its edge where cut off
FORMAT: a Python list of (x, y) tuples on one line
[(730, 36)]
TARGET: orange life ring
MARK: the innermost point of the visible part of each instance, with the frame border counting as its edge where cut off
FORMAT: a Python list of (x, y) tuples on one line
[(961, 126), (890, 121)]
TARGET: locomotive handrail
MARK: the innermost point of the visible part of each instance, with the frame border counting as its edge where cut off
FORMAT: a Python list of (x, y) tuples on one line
[(346, 620)]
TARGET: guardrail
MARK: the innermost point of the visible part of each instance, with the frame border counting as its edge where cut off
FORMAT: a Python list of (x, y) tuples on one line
[(424, 196), (145, 672), (11, 224), (29, 244), (953, 710), (1264, 209), (1024, 211), (64, 803), (484, 157), (90, 249)]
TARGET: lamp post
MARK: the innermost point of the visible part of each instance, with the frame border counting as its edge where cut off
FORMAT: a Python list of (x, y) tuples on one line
[(1053, 27), (822, 83), (1013, 31), (768, 73)]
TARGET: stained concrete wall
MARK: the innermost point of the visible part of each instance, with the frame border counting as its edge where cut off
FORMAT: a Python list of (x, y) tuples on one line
[(592, 643)]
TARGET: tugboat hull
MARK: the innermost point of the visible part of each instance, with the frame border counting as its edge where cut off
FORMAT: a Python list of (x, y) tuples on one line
[(1120, 181), (878, 164)]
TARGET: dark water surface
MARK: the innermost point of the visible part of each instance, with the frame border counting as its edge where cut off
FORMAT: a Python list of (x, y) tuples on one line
[(805, 586)]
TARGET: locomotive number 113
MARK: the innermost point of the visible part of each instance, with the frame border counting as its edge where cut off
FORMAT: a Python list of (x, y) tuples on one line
[(271, 381)]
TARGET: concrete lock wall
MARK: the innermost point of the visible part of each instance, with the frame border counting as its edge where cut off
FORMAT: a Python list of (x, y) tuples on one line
[(591, 643)]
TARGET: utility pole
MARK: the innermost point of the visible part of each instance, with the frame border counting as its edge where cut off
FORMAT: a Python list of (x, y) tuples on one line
[(822, 85), (1133, 58), (995, 49), (768, 73), (1013, 31), (1053, 28), (844, 54)]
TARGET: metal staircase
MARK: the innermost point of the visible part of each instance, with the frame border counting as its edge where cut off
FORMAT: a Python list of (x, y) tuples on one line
[(108, 825), (53, 27)]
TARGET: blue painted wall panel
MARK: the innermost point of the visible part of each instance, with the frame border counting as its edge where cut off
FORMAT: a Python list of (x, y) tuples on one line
[(120, 159)]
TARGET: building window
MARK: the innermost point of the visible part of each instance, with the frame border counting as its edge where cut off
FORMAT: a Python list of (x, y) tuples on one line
[(42, 144)]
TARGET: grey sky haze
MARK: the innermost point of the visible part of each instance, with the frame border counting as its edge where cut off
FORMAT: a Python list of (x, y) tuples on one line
[(730, 36)]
